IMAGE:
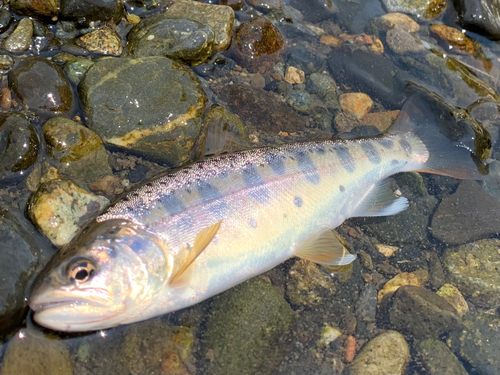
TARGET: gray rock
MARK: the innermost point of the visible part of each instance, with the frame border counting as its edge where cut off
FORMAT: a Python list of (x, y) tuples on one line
[(5, 19), (477, 344), (415, 7), (473, 269), (183, 40), (42, 86), (91, 10), (244, 329), (436, 273), (321, 84), (76, 68), (128, 104), (403, 42), (480, 16), (467, 215), (19, 253), (386, 354), (422, 313), (301, 57), (300, 100), (20, 147), (435, 358), (20, 39), (366, 306), (77, 150), (6, 63)]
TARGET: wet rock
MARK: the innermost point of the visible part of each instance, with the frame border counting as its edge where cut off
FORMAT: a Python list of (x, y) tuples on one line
[(91, 10), (455, 37), (474, 269), (79, 152), (35, 8), (386, 250), (425, 8), (478, 342), (396, 282), (454, 298), (258, 81), (5, 19), (234, 4), (219, 17), (366, 306), (127, 104), (76, 68), (265, 6), (467, 215), (59, 209), (19, 147), (244, 329), (258, 45), (308, 284), (300, 100), (411, 184), (41, 85), (356, 104), (260, 109), (330, 40), (294, 75), (321, 84), (303, 58), (480, 16), (381, 120), (422, 313), (402, 42), (315, 10), (33, 354), (345, 122), (435, 358), (183, 40), (104, 41), (387, 353), (436, 273), (108, 185), (20, 39), (18, 260), (400, 21)]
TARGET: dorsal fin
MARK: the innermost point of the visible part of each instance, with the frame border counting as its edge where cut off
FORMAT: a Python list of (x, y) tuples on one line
[(201, 241), (327, 248), (380, 201)]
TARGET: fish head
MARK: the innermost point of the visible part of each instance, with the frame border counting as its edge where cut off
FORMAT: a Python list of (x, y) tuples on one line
[(109, 272)]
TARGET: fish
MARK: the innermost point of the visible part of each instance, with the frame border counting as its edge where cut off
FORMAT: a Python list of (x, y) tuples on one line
[(195, 232)]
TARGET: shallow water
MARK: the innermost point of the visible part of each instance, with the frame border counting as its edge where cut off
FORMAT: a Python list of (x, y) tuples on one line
[(297, 318)]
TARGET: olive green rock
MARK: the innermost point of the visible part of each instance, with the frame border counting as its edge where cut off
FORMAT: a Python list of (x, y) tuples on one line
[(35, 354), (150, 105), (244, 329), (20, 39), (76, 68), (435, 358), (79, 151), (473, 269)]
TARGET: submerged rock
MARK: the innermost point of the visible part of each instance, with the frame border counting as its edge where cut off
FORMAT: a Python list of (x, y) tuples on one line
[(34, 8), (104, 41), (244, 329), (91, 10), (129, 105), (473, 269), (454, 298), (386, 354), (20, 39), (480, 16), (435, 358)]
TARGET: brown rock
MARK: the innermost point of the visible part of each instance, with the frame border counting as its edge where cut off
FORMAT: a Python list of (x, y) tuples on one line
[(35, 8), (381, 120), (401, 21), (331, 41), (356, 104), (104, 41), (235, 4), (455, 37), (294, 75), (398, 281)]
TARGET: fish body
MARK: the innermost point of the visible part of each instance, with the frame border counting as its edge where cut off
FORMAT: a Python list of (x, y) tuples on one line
[(194, 233)]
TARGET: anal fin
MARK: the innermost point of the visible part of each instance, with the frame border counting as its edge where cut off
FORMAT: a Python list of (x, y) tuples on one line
[(380, 201), (327, 248)]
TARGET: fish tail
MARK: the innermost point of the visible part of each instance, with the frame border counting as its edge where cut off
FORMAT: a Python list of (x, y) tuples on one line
[(438, 150)]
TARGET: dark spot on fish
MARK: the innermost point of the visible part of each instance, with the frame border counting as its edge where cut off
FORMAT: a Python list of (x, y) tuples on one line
[(406, 146), (149, 184), (320, 149), (207, 191), (346, 160), (112, 253), (342, 188), (394, 162), (292, 158), (261, 194), (251, 177), (188, 191), (386, 142), (185, 223), (276, 163), (126, 199), (371, 152), (224, 174), (306, 166), (172, 204), (252, 222), (285, 216), (298, 201)]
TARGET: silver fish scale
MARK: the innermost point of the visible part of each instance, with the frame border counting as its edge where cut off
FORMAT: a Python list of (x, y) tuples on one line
[(137, 201)]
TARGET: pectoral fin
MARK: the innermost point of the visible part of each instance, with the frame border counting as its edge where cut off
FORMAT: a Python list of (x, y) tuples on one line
[(379, 200), (201, 241), (327, 248)]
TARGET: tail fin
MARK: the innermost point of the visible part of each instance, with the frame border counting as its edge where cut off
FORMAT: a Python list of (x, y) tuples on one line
[(449, 144)]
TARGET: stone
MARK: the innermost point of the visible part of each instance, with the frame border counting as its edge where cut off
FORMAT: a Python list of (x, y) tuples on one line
[(473, 269), (258, 45), (396, 282), (366, 306), (456, 38), (308, 285), (234, 4), (19, 257), (20, 39), (436, 272), (40, 9), (219, 17), (104, 41), (403, 42), (59, 208), (258, 81), (321, 84), (91, 10), (328, 335), (32, 353), (381, 120), (401, 21), (304, 59), (422, 313), (480, 16), (330, 40), (294, 75), (128, 105), (420, 8), (265, 6), (300, 100), (188, 42), (42, 86), (79, 153), (356, 104), (454, 298), (386, 354), (387, 250), (477, 343), (20, 147), (435, 358), (244, 329), (76, 68), (5, 19)]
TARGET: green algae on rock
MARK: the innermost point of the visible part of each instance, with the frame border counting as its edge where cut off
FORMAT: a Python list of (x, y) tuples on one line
[(245, 327), (435, 358), (150, 105)]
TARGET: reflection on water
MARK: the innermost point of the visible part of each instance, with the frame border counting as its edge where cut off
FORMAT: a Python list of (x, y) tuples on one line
[(423, 295)]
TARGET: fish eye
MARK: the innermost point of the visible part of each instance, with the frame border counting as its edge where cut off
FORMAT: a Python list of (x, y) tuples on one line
[(80, 271)]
